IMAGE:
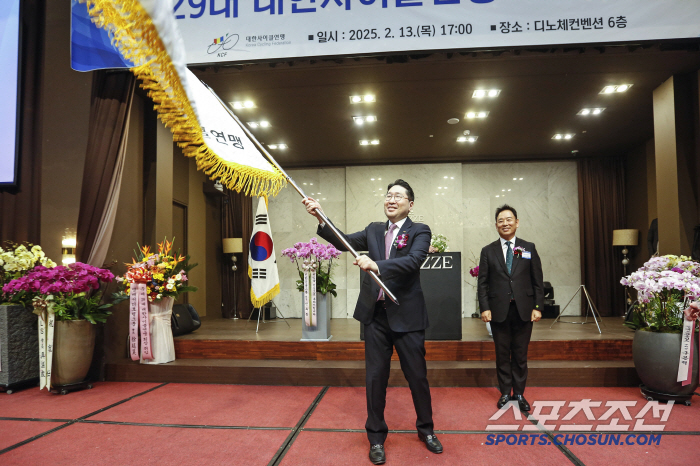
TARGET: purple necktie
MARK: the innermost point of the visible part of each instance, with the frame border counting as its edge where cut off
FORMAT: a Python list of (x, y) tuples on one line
[(388, 240)]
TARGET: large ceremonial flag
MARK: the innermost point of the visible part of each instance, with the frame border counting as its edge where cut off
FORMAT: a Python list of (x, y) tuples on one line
[(146, 34), (262, 260)]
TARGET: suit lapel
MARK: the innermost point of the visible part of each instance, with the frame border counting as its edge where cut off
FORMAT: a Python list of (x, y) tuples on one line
[(404, 230), (381, 231), (517, 259)]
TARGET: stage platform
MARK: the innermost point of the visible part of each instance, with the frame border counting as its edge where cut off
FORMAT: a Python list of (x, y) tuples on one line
[(230, 351)]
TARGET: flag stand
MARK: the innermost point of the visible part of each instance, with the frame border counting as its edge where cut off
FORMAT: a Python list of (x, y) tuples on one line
[(261, 312), (325, 219)]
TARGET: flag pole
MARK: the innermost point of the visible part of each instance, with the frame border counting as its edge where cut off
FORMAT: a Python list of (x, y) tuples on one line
[(298, 189)]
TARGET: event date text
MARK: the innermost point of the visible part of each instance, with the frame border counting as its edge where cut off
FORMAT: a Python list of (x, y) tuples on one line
[(428, 30)]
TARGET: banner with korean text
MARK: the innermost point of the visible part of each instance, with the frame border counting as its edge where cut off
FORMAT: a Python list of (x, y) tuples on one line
[(221, 31), (244, 30)]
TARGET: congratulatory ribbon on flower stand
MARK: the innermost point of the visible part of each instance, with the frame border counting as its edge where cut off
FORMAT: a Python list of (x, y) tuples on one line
[(685, 364), (47, 321), (309, 267), (138, 317)]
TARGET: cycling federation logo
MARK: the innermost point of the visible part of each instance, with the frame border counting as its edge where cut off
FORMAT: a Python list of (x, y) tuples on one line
[(223, 43)]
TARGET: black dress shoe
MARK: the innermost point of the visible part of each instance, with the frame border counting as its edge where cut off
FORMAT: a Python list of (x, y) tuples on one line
[(522, 403), (432, 442), (502, 401), (376, 454)]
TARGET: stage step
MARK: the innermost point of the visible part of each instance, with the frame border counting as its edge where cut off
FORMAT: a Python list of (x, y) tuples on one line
[(544, 373), (539, 350)]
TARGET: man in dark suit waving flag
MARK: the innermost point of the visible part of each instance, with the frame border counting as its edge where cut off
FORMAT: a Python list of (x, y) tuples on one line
[(511, 297), (396, 249)]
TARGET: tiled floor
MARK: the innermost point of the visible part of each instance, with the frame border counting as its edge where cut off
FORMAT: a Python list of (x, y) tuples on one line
[(143, 423)]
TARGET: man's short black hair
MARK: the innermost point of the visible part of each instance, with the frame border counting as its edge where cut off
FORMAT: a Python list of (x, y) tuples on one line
[(404, 185), (506, 207)]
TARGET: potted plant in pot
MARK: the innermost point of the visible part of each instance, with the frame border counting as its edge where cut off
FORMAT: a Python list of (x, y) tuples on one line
[(68, 301), (666, 287), (314, 263), (152, 282), (19, 343)]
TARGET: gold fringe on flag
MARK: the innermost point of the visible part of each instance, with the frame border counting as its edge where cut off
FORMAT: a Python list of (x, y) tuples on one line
[(133, 32), (260, 301)]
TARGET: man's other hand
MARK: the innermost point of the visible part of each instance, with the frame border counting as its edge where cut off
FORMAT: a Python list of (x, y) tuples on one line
[(486, 316), (536, 315)]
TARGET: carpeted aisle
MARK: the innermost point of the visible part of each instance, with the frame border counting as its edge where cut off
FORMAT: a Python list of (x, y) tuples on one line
[(202, 424)]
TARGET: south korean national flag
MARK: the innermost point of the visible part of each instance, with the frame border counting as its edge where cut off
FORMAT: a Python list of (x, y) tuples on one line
[(262, 260)]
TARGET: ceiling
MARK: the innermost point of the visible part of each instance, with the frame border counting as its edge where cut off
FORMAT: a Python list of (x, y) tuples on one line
[(307, 103)]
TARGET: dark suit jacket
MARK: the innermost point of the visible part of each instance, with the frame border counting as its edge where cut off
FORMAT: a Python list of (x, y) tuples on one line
[(525, 281), (400, 273)]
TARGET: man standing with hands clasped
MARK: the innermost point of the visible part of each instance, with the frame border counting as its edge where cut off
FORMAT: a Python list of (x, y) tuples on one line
[(511, 297), (396, 249)]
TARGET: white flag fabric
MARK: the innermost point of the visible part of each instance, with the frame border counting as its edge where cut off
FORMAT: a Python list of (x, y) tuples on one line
[(262, 260), (146, 34)]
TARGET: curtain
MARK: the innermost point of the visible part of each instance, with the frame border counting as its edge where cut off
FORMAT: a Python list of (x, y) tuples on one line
[(20, 206), (112, 93), (602, 210), (236, 222)]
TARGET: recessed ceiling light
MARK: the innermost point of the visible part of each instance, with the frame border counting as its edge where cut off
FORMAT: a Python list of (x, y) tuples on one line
[(503, 190), (379, 179), (481, 93), (481, 114), (362, 119), (375, 142), (261, 124), (277, 146), (497, 195), (372, 179), (453, 121), (514, 179), (563, 136), (445, 177), (509, 190), (615, 88), (439, 187), (591, 111), (356, 99), (242, 104), (520, 179), (273, 146), (462, 139), (472, 138), (452, 177), (364, 142)]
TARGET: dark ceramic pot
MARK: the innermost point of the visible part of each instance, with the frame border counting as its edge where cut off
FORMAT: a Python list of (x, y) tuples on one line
[(656, 358)]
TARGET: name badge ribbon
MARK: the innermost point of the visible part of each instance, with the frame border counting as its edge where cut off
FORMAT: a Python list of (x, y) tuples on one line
[(685, 364)]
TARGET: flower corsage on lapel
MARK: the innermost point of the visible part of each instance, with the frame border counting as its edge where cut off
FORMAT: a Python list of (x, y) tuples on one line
[(520, 251), (401, 240)]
